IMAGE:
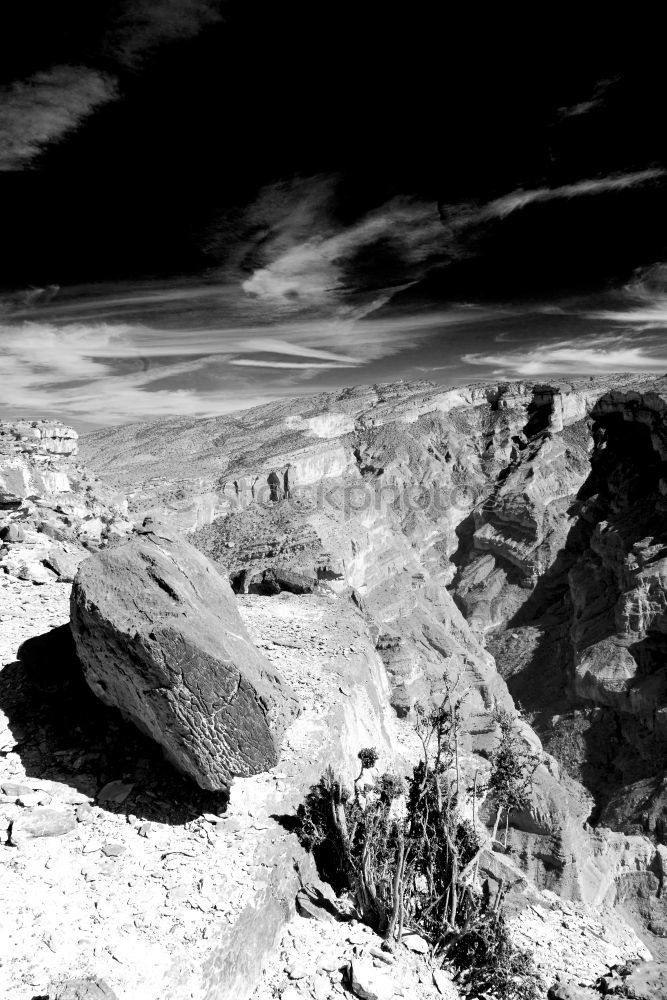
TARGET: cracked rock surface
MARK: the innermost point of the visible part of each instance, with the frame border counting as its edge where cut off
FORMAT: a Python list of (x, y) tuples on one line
[(159, 636)]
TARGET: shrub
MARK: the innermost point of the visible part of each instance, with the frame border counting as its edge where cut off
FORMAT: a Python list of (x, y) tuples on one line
[(407, 856)]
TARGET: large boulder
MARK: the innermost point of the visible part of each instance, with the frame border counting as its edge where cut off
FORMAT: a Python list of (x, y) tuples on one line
[(159, 636)]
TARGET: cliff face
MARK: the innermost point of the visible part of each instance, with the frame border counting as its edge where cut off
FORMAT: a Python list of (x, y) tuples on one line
[(494, 533), (52, 510), (573, 600)]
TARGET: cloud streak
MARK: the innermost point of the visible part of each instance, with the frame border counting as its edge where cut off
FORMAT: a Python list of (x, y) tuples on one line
[(583, 356), (501, 208), (589, 105), (117, 372)]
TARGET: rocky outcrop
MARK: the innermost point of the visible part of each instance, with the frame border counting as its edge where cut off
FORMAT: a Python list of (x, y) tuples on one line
[(159, 636), (52, 510)]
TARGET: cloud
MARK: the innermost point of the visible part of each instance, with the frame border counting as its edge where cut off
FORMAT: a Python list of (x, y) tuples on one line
[(588, 105), (47, 106), (500, 208), (275, 345), (52, 103), (116, 372), (587, 355), (302, 257), (253, 363), (642, 304), (144, 25), (73, 371)]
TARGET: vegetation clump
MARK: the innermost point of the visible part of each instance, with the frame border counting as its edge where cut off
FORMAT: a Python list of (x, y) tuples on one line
[(407, 853)]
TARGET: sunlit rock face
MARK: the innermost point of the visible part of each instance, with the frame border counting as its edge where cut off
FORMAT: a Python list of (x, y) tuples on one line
[(32, 457)]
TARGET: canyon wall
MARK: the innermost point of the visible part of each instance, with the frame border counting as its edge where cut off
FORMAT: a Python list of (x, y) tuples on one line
[(507, 538)]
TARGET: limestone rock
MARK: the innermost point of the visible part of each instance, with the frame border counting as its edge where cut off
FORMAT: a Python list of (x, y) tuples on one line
[(64, 560), (13, 791), (35, 572), (416, 943), (41, 821), (160, 638), (310, 903), (369, 983), (83, 989)]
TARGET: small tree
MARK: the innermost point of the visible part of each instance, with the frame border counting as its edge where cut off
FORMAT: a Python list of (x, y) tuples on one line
[(513, 766)]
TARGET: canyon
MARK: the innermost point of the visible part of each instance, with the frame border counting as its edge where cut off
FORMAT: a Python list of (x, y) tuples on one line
[(508, 540), (508, 532)]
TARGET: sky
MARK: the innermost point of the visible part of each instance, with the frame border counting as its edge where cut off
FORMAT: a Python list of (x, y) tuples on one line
[(209, 204)]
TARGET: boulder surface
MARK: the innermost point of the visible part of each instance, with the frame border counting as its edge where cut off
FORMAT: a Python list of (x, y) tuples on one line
[(159, 636)]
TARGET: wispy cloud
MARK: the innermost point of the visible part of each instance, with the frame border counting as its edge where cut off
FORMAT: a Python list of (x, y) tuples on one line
[(587, 355), (254, 363), (74, 371), (291, 251), (47, 106), (50, 104), (589, 104), (500, 208), (116, 372), (312, 261), (642, 303), (303, 258)]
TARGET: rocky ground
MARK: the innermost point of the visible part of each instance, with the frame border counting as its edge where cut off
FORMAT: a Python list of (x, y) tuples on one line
[(314, 960), (141, 876), (133, 874)]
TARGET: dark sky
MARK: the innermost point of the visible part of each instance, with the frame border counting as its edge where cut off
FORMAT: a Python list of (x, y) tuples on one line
[(206, 204)]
